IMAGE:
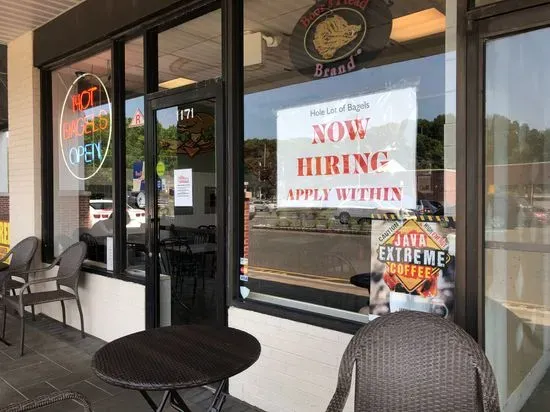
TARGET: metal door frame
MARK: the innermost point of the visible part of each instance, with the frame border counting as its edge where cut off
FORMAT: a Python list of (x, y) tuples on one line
[(212, 89), (480, 30)]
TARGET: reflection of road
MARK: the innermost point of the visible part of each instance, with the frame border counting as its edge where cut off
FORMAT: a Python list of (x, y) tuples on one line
[(331, 255), (306, 280)]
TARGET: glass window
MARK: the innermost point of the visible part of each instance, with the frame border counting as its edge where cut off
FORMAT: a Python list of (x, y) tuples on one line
[(83, 156), (517, 218), (350, 154), (191, 52), (135, 155)]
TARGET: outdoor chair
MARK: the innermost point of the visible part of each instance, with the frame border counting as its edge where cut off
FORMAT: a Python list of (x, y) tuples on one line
[(47, 400), (21, 255), (68, 274), (414, 361)]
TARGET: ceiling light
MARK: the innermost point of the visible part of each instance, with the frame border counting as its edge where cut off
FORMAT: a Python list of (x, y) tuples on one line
[(178, 82), (417, 25)]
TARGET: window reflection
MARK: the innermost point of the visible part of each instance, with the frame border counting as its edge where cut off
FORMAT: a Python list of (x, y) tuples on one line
[(334, 164)]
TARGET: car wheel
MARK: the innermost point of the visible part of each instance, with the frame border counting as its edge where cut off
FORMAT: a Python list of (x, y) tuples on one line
[(140, 200), (363, 221), (344, 218)]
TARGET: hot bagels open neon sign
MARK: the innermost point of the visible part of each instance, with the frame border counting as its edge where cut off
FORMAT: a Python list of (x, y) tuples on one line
[(85, 131)]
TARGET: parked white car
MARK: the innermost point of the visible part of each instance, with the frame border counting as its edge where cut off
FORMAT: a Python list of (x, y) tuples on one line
[(101, 209)]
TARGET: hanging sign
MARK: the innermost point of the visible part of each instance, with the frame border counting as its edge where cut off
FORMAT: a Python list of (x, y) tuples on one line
[(85, 126), (415, 261), (358, 152), (138, 120), (335, 37), (183, 187)]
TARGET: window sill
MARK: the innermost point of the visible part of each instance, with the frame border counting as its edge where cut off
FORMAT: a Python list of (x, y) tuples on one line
[(311, 318), (94, 270)]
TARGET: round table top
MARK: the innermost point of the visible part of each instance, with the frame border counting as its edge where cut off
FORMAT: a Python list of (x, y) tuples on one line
[(362, 280), (176, 357)]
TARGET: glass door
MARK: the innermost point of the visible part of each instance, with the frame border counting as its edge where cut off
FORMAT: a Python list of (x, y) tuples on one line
[(187, 207), (515, 131)]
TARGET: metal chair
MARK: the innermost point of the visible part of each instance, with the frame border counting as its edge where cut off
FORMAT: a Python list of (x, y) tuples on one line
[(21, 255), (177, 261), (68, 274), (414, 361), (47, 400)]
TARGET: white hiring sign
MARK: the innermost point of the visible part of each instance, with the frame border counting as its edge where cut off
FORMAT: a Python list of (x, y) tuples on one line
[(358, 152)]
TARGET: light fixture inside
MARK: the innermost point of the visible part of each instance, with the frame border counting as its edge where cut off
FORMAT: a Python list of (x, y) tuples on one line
[(416, 25), (178, 82)]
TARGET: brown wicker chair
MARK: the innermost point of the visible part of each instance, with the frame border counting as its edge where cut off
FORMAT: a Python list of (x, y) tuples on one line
[(412, 361), (70, 262), (22, 255), (46, 400)]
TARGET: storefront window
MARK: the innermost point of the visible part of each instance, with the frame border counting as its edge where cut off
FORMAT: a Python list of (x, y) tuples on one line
[(350, 151), (83, 156), (191, 52), (517, 218), (135, 155)]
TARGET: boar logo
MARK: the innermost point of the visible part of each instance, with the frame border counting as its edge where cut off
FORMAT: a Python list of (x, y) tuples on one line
[(334, 33)]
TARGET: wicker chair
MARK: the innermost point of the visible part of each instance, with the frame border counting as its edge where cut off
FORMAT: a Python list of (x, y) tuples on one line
[(413, 361), (22, 255), (47, 400), (68, 274)]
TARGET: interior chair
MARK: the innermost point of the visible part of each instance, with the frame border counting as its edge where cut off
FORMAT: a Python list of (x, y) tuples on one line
[(92, 246), (414, 361), (68, 274), (21, 255), (47, 400), (178, 262)]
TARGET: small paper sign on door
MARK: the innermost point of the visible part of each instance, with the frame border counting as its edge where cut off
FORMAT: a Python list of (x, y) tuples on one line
[(183, 187)]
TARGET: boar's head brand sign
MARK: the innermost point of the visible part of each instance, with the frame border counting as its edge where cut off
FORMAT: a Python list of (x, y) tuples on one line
[(338, 36), (414, 255)]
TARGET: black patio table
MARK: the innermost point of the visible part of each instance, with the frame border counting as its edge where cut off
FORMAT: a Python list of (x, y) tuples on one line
[(176, 357)]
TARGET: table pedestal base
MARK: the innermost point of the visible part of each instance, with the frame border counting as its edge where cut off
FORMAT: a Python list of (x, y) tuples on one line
[(179, 404)]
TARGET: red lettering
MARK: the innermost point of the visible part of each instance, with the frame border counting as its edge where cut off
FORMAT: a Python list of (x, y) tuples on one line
[(356, 129), (319, 133), (343, 194), (331, 164), (305, 166), (376, 163), (339, 132), (84, 99), (361, 162)]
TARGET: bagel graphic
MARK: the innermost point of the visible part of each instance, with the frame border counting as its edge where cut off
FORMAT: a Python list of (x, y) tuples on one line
[(334, 33)]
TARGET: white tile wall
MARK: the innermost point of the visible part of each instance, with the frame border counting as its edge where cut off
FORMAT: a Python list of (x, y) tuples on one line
[(112, 308), (298, 367), (24, 142)]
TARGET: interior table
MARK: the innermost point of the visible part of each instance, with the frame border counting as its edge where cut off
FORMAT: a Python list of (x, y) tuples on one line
[(361, 280), (176, 357)]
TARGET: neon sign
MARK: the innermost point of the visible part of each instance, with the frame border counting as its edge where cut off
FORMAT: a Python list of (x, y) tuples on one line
[(85, 135)]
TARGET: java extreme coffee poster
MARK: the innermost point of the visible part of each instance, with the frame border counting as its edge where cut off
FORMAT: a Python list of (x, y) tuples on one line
[(413, 267)]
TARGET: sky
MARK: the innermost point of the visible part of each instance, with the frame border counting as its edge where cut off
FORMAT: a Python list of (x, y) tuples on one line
[(510, 92)]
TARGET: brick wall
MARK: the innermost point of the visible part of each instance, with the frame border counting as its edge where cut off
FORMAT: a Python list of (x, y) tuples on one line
[(298, 367), (5, 208), (24, 140)]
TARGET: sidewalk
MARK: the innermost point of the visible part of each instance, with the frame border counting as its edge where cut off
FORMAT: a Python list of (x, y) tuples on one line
[(58, 358)]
